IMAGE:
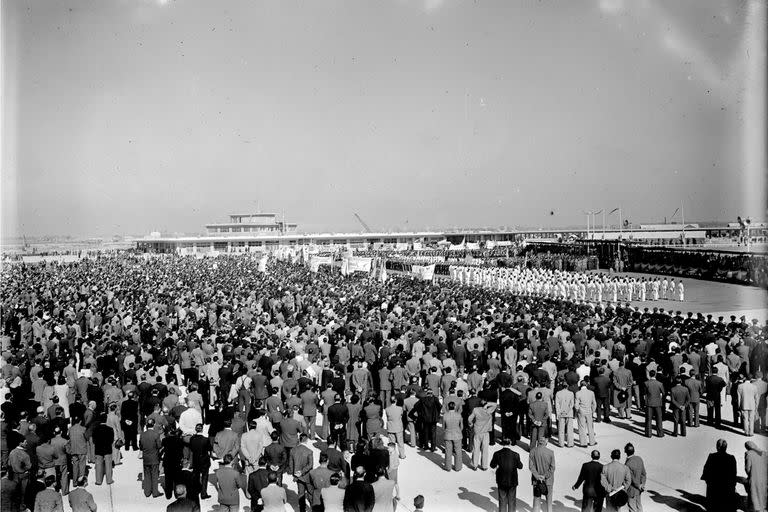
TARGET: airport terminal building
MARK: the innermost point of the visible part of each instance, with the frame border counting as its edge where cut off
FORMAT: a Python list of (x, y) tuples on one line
[(257, 232)]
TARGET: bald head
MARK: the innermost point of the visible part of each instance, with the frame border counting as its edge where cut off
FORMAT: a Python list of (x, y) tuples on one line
[(180, 491)]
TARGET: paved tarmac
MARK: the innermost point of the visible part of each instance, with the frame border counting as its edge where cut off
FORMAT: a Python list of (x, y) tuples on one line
[(673, 465)]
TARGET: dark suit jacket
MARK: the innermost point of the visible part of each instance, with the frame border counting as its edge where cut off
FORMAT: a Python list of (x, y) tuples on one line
[(149, 443), (590, 477), (78, 445), (275, 454), (201, 447), (183, 505), (654, 393), (301, 462), (103, 438), (319, 479), (506, 462), (256, 482), (289, 432), (359, 497), (602, 386)]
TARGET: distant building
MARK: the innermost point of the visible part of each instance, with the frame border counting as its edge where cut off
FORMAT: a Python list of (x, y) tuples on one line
[(265, 232), (251, 223)]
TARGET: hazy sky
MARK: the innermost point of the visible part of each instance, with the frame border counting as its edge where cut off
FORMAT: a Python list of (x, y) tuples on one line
[(126, 116)]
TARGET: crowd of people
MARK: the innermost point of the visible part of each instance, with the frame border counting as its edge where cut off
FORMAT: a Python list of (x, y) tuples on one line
[(573, 286), (744, 268), (196, 362)]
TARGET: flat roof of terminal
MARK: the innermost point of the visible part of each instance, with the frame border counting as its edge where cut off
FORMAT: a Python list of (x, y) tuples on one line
[(253, 215)]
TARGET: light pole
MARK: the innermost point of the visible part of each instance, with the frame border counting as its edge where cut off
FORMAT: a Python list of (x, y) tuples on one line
[(594, 221), (618, 243)]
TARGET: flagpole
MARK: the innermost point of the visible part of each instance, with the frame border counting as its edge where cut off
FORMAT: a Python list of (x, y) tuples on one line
[(682, 219), (603, 223)]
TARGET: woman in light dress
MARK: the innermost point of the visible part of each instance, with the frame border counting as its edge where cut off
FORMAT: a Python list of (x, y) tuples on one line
[(61, 390)]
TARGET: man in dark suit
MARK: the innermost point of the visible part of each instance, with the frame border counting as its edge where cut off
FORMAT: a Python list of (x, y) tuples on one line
[(426, 413), (359, 495), (654, 404), (602, 394), (714, 385), (680, 399), (506, 462), (300, 463), (173, 452), (720, 476), (257, 481), (182, 503), (200, 447), (274, 453), (338, 416), (290, 428), (150, 444), (81, 500), (319, 479), (129, 420), (593, 492), (103, 441)]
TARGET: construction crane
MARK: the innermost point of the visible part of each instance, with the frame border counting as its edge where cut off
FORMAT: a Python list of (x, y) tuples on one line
[(362, 222)]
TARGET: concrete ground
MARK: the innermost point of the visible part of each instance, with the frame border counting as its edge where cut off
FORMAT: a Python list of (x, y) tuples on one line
[(673, 464)]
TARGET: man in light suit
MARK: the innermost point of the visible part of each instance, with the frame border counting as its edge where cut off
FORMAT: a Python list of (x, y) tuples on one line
[(319, 479), (395, 425), (541, 462), (78, 450), (539, 411), (637, 470), (453, 425), (273, 497), (49, 498), (333, 496), (300, 464), (481, 420), (614, 477), (227, 442), (564, 404), (747, 394), (585, 405)]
